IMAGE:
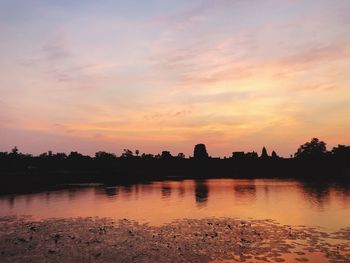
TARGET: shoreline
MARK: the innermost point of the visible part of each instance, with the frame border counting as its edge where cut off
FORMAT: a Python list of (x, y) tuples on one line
[(187, 240), (18, 183)]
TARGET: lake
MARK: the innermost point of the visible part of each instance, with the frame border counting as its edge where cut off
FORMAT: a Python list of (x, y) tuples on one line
[(287, 201)]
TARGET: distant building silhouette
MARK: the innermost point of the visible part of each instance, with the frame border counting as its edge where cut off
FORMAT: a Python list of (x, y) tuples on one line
[(238, 155), (200, 151), (243, 155), (274, 155), (312, 161), (264, 153), (252, 155)]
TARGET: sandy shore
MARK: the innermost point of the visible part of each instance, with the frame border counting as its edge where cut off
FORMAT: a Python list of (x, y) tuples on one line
[(204, 240)]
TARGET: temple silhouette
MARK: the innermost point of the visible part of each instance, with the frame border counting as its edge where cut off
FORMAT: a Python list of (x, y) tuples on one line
[(311, 161)]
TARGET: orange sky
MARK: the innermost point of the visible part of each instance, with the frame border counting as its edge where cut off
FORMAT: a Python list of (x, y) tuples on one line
[(235, 75)]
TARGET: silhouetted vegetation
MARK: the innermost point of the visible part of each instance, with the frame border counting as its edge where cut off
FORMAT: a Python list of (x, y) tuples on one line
[(313, 149), (311, 161)]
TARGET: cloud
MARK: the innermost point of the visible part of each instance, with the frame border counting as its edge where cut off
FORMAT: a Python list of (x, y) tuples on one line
[(168, 114), (316, 54), (57, 49), (217, 97), (204, 62), (219, 71), (180, 19), (60, 61)]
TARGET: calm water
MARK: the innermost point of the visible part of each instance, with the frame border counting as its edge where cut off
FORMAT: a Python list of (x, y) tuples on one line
[(289, 202)]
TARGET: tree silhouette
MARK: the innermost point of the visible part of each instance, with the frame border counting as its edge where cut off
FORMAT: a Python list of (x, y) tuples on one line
[(104, 156), (166, 155), (60, 156), (127, 153), (14, 151), (181, 156), (341, 151), (314, 148), (147, 156), (75, 156), (128, 167)]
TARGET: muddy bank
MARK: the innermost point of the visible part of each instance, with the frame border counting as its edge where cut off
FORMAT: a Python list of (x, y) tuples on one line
[(204, 240)]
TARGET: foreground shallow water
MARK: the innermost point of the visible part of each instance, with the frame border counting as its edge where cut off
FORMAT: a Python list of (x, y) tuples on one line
[(186, 240), (218, 220), (287, 201)]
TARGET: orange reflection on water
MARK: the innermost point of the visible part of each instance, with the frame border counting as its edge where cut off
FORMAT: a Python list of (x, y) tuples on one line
[(288, 202)]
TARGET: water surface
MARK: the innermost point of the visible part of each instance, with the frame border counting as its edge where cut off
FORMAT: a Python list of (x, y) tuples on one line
[(287, 201)]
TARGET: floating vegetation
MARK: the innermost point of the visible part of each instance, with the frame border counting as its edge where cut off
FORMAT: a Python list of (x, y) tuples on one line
[(186, 240)]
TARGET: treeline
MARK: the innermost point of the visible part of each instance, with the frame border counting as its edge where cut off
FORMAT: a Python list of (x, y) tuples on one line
[(311, 156)]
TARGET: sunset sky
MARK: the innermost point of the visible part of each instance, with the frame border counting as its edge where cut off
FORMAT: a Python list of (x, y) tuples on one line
[(164, 75)]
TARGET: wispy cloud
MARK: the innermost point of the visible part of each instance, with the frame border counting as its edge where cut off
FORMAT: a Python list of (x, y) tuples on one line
[(226, 72)]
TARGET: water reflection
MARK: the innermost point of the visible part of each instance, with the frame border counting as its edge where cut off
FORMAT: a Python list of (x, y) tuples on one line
[(11, 201), (181, 189), (291, 202), (72, 193), (317, 193), (201, 192), (111, 191), (246, 192), (166, 190)]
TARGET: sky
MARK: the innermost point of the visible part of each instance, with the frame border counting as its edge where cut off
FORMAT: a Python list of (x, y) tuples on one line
[(158, 75)]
